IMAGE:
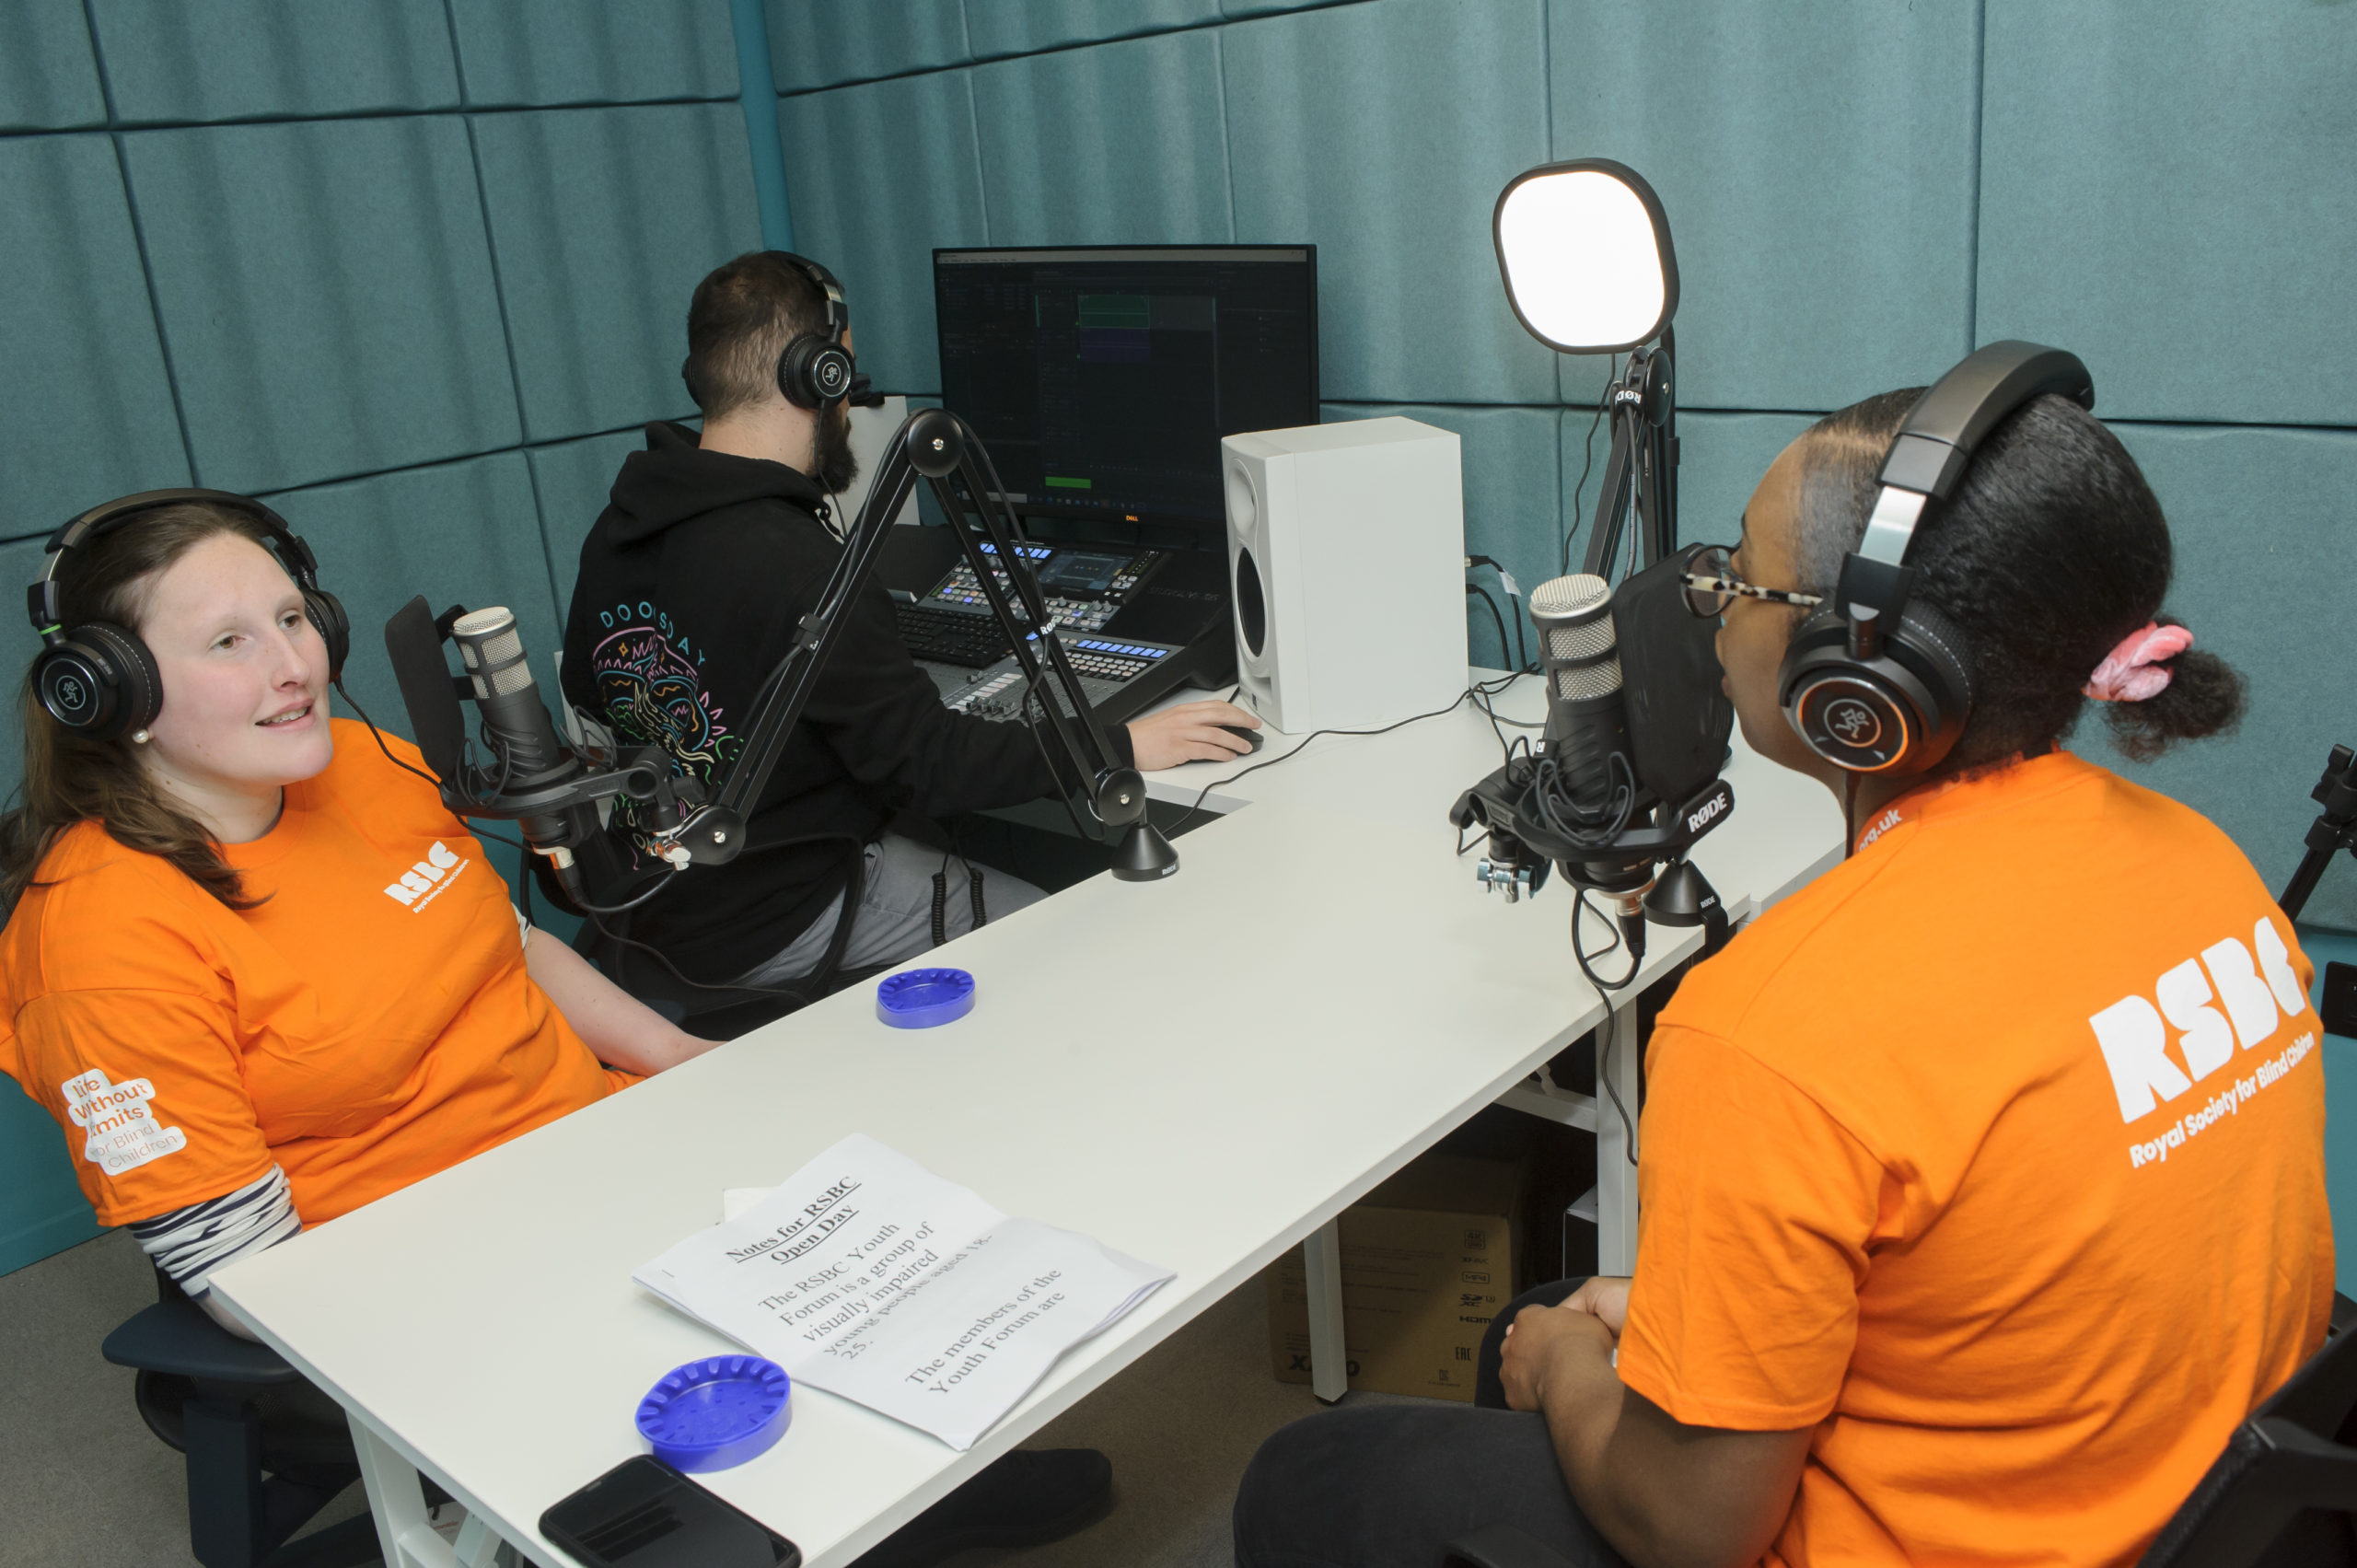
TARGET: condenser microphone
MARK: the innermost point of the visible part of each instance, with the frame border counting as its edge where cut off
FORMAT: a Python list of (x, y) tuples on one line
[(516, 724), (1588, 722)]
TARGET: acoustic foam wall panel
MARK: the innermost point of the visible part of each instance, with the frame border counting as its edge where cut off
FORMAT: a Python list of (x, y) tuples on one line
[(1817, 166), (558, 51), (327, 294), (1512, 512), (604, 220), (1723, 458), (171, 61), (84, 400), (1382, 133), (460, 533), (846, 150), (1065, 136), (2261, 522), (997, 27), (47, 78), (820, 43), (2165, 188), (573, 479), (44, 1211), (1266, 8)]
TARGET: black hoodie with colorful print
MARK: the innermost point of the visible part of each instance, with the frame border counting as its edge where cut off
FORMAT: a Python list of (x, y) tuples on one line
[(690, 585)]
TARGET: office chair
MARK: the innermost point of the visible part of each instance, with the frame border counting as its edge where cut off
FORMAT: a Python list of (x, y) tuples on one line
[(258, 1468), (2283, 1494)]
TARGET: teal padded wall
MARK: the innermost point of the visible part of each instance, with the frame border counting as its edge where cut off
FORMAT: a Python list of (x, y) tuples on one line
[(1860, 191), (84, 397), (47, 78), (388, 261), (604, 219)]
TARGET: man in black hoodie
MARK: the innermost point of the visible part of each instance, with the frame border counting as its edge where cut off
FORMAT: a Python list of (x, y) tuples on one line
[(690, 583), (712, 547)]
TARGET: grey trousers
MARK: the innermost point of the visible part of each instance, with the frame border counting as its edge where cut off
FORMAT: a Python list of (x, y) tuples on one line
[(894, 922)]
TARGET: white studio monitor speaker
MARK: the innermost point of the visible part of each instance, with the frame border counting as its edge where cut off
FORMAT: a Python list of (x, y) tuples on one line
[(1346, 555)]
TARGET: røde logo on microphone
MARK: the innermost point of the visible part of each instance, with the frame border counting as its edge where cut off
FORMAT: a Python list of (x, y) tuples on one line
[(1710, 810), (424, 882), (2250, 1002)]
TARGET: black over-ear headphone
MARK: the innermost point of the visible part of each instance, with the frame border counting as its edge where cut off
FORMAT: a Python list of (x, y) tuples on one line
[(815, 371), (1870, 682), (97, 678)]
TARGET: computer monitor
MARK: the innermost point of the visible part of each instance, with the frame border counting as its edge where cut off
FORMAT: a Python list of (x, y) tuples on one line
[(1102, 377)]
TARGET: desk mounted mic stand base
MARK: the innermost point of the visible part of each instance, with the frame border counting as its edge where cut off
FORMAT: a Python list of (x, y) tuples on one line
[(1144, 855)]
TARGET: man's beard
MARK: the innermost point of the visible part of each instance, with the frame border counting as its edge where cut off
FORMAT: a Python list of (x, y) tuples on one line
[(832, 463)]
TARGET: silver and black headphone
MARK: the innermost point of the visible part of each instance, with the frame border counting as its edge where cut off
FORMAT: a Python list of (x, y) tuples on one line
[(97, 678), (1871, 683), (816, 370)]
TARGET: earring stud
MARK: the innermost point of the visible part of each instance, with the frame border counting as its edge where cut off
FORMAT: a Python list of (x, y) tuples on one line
[(139, 738)]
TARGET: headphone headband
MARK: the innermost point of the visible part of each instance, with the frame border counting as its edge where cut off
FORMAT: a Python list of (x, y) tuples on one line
[(838, 307), (1947, 423), (41, 598)]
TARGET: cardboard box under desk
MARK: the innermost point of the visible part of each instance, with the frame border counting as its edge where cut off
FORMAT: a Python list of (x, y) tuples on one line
[(1428, 1260)]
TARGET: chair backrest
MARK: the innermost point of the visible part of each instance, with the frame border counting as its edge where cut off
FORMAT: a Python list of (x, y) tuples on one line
[(2285, 1492)]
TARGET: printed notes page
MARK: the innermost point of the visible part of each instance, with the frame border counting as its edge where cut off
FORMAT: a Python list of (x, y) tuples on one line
[(868, 1276)]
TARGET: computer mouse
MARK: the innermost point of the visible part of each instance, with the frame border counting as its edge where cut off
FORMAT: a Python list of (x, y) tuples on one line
[(1252, 737)]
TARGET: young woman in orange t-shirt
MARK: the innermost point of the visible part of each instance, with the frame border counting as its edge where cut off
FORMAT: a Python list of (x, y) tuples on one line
[(1982, 1180), (255, 969)]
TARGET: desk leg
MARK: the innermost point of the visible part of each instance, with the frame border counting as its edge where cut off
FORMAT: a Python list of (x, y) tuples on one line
[(405, 1532), (1615, 1178), (1321, 1254)]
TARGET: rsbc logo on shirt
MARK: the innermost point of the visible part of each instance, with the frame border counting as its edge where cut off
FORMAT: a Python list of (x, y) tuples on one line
[(2210, 1002), (422, 883)]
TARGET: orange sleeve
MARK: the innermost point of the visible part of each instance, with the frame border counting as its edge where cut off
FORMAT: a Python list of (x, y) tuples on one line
[(146, 1088), (1758, 1209)]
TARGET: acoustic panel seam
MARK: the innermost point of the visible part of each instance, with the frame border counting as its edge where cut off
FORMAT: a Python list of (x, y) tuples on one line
[(1080, 44), (338, 117), (974, 129), (1972, 222), (454, 458), (458, 70), (139, 244), (1227, 150)]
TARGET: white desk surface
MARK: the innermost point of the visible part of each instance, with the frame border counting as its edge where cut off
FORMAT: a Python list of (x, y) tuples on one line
[(1199, 1072)]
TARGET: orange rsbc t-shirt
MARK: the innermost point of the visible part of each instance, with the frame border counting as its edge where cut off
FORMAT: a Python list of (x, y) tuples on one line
[(1996, 1155), (368, 1024)]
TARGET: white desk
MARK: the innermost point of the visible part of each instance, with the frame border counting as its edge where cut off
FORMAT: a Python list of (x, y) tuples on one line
[(1200, 1071)]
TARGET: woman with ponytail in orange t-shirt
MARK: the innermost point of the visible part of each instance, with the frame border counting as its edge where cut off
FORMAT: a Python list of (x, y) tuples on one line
[(1982, 1180)]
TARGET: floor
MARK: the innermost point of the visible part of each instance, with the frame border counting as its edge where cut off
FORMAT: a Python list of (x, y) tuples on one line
[(82, 1482)]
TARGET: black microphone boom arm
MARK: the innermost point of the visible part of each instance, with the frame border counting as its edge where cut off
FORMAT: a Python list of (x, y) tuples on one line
[(932, 444), (692, 826)]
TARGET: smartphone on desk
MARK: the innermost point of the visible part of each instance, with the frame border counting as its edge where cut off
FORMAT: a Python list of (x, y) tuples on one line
[(644, 1513)]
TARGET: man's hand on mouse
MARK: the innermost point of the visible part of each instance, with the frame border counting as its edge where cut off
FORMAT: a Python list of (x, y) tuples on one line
[(1191, 732)]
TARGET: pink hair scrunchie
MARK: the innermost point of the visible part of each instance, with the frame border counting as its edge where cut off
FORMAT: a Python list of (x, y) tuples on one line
[(2135, 671)]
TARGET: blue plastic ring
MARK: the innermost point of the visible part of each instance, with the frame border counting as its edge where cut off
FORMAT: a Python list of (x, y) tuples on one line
[(918, 999), (716, 1412)]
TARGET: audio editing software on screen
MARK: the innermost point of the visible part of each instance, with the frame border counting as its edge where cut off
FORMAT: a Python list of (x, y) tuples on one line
[(1101, 380)]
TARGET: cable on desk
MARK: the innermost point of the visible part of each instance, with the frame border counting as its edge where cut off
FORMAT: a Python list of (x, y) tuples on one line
[(1477, 691), (1475, 590)]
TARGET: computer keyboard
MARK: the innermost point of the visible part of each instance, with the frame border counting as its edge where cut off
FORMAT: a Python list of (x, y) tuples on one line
[(950, 637)]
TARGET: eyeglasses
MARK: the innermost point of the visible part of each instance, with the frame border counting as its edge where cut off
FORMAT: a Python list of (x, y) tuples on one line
[(1712, 584)]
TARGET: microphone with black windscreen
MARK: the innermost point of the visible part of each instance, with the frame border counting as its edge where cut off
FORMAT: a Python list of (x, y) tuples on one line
[(1587, 722)]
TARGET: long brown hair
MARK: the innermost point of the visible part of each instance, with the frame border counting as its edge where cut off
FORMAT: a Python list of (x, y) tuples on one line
[(70, 777)]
